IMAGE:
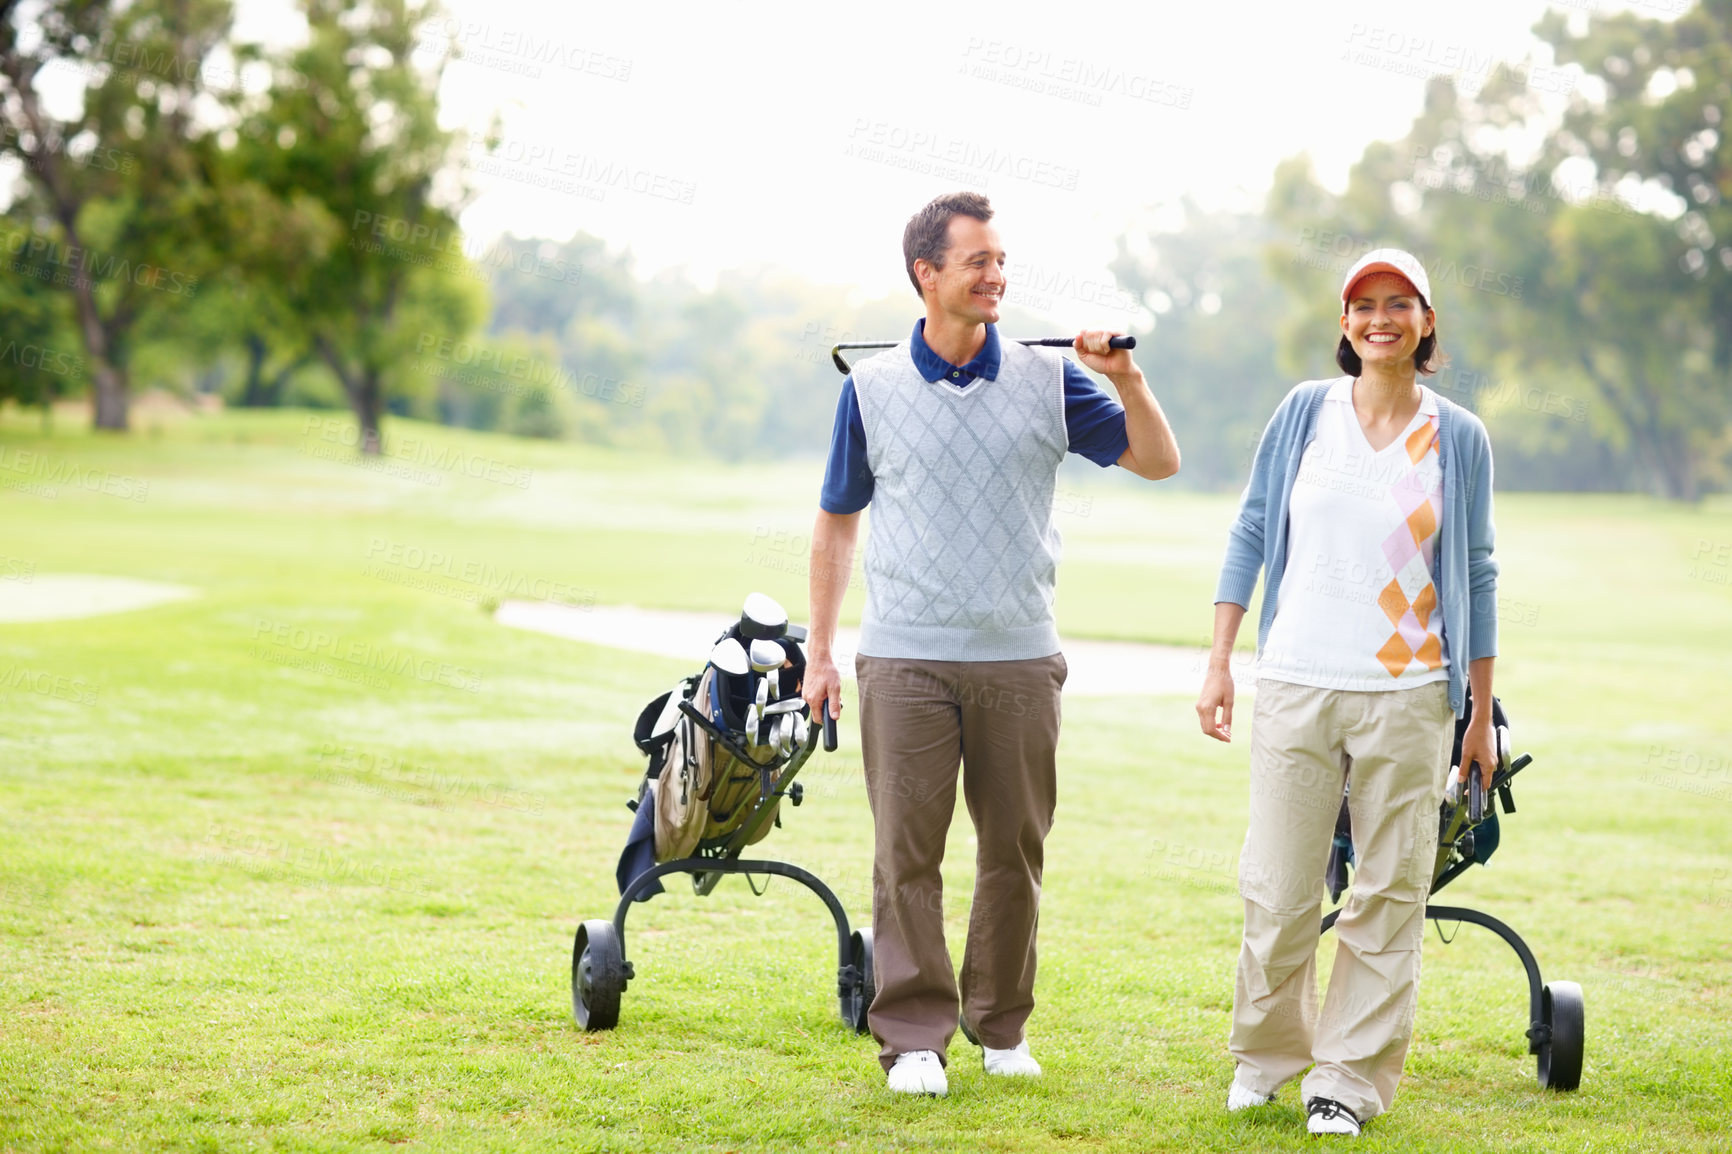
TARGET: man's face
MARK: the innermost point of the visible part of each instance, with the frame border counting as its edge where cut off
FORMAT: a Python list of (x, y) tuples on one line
[(970, 287)]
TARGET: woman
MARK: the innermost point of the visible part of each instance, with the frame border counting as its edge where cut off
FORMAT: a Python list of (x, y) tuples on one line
[(1369, 514)]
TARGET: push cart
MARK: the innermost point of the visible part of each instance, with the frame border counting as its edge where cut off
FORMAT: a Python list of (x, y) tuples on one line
[(724, 748), (1468, 834)]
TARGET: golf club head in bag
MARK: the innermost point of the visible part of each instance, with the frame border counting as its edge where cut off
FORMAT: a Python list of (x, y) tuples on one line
[(761, 619)]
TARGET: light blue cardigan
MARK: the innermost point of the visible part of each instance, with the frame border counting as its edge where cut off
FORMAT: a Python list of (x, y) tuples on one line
[(1465, 574)]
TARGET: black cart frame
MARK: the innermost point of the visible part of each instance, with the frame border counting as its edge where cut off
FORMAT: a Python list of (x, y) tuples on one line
[(600, 969), (1556, 1012)]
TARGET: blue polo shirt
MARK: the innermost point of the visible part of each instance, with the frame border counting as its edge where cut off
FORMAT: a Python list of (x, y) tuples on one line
[(1094, 422)]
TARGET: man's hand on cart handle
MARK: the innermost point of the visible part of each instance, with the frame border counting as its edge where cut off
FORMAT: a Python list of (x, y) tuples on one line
[(822, 691), (822, 688)]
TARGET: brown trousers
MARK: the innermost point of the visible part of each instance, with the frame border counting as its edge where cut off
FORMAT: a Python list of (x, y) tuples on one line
[(920, 720)]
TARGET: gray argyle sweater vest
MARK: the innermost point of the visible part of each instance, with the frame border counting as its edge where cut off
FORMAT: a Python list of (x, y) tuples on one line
[(962, 554)]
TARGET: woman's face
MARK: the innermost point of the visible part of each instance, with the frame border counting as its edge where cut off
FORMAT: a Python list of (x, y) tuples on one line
[(1384, 321)]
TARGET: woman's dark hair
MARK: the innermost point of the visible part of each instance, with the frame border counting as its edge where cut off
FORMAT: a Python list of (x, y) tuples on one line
[(1426, 358)]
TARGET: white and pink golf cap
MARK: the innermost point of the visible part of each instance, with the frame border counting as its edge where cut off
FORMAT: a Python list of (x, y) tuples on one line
[(1394, 260)]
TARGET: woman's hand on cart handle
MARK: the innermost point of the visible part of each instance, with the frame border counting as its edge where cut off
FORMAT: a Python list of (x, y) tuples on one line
[(1479, 744)]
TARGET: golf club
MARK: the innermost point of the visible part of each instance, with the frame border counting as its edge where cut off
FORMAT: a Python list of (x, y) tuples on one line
[(730, 657), (762, 618), (767, 655), (755, 715), (1047, 342)]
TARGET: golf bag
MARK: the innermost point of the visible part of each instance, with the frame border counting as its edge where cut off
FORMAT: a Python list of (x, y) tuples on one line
[(719, 743), (724, 747)]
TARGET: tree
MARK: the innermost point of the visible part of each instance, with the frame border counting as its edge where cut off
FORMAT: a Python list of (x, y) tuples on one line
[(1629, 294), (121, 180), (1654, 111), (347, 143), (1211, 355), (39, 352)]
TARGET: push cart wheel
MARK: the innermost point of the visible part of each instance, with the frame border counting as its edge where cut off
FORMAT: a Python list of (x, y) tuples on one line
[(857, 994), (1560, 1058), (597, 976)]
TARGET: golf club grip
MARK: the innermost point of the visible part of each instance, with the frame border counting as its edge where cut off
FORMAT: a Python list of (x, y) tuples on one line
[(829, 729), (1070, 342), (1475, 795)]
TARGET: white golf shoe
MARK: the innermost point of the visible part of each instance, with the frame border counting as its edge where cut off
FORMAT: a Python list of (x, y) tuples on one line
[(1012, 1063), (1242, 1097), (918, 1072)]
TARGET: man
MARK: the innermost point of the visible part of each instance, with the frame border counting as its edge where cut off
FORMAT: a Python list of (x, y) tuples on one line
[(954, 438)]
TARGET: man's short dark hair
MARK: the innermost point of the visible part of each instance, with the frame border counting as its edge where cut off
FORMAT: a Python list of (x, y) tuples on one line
[(1426, 358), (927, 236)]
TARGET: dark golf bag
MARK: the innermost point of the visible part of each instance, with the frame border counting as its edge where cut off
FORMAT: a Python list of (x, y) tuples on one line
[(718, 745)]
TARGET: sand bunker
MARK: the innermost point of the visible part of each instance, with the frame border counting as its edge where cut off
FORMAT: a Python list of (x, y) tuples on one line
[(65, 596), (1097, 668)]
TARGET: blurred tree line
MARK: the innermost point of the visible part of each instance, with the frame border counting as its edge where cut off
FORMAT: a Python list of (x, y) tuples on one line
[(1577, 230), (279, 226)]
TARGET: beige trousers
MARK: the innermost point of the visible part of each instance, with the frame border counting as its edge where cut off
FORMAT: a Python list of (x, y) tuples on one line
[(919, 721), (1394, 748)]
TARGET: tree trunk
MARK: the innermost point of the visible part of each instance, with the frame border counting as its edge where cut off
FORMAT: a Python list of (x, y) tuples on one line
[(362, 389), (107, 372), (369, 405), (108, 391), (102, 338), (253, 396)]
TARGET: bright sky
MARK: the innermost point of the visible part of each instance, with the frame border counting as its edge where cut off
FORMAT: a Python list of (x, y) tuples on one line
[(722, 134), (728, 133)]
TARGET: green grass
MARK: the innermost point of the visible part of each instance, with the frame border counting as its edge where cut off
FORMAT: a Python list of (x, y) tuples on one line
[(250, 903)]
